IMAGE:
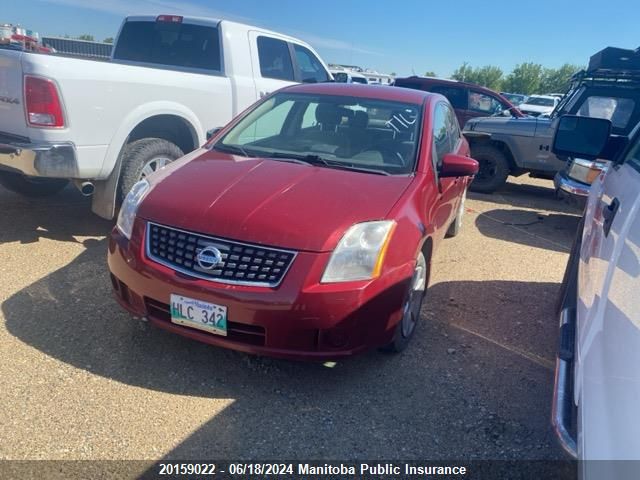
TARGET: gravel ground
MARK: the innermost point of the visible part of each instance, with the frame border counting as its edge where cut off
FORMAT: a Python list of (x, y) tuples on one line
[(80, 380)]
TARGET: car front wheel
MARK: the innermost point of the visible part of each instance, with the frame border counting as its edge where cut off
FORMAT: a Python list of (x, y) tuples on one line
[(411, 307)]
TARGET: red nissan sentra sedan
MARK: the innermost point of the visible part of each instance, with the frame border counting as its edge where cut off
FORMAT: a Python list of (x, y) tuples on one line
[(304, 229)]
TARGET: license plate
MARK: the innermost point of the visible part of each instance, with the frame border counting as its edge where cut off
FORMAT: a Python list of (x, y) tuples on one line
[(198, 314)]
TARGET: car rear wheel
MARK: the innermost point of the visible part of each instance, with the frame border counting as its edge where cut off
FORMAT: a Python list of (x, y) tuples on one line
[(31, 186), (494, 169), (411, 307), (144, 157)]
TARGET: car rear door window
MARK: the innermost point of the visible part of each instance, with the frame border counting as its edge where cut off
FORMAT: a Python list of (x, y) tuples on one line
[(275, 59), (457, 96), (310, 68), (167, 43)]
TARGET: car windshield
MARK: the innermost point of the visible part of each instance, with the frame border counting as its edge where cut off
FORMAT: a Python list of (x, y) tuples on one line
[(540, 101), (361, 134)]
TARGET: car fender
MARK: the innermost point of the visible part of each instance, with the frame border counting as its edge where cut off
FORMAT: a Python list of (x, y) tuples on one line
[(137, 116), (104, 197)]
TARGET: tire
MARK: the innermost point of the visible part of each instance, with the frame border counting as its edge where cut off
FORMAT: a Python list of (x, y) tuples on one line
[(411, 307), (143, 157), (494, 169), (456, 225), (32, 186)]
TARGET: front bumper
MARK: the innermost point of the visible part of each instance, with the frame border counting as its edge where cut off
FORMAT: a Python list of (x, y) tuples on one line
[(310, 322), (56, 160), (568, 186)]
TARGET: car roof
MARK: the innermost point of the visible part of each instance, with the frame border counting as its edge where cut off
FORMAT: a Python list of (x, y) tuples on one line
[(444, 81), (551, 97), (365, 91)]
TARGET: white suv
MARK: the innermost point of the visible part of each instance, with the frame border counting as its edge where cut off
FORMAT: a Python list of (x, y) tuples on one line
[(596, 408), (537, 105)]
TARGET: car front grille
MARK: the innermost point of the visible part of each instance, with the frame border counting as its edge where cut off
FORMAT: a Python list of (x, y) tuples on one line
[(240, 263)]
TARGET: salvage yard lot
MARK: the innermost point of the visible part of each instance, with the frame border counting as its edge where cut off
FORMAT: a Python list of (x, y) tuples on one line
[(80, 380)]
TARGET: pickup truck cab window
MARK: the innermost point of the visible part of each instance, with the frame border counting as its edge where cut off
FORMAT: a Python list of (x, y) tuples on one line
[(173, 44), (310, 68), (275, 59)]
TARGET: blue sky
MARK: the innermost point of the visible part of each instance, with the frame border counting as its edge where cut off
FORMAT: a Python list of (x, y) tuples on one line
[(390, 36)]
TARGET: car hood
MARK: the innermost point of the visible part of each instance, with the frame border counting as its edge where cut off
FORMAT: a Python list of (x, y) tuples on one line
[(268, 202), (525, 126), (535, 108)]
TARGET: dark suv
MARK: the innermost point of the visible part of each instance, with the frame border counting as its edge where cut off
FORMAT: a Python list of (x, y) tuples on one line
[(468, 100)]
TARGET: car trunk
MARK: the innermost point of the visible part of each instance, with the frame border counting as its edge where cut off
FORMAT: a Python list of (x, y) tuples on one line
[(12, 120)]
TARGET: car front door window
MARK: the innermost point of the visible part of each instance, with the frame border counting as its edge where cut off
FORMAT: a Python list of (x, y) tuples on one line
[(310, 68), (483, 103)]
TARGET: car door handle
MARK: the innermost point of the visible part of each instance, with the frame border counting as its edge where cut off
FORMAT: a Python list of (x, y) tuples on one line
[(544, 147), (609, 213)]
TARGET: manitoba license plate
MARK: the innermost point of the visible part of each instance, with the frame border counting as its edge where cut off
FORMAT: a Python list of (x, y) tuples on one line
[(198, 314)]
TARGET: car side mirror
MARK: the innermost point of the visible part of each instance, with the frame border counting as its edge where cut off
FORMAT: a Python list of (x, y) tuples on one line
[(211, 133), (458, 166), (583, 137)]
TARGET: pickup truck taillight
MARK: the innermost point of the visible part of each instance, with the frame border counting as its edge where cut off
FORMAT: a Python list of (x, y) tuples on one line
[(42, 103)]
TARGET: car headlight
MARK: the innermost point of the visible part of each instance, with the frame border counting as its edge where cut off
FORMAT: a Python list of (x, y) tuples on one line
[(129, 207), (586, 171), (360, 253)]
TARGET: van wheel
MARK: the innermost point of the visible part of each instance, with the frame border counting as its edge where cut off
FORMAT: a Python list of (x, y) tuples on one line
[(411, 307), (143, 157), (494, 169), (456, 226), (31, 186)]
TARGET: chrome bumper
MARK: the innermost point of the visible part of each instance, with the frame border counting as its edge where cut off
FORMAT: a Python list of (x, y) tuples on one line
[(563, 385), (568, 185), (57, 160)]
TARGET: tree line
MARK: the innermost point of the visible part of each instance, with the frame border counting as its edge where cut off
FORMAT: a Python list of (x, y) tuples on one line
[(527, 78)]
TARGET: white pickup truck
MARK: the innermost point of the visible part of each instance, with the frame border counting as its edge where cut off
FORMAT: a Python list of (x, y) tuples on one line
[(596, 407), (106, 124)]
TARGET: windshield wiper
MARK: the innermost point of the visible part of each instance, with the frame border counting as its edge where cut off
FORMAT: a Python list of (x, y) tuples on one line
[(308, 159), (316, 160), (233, 149)]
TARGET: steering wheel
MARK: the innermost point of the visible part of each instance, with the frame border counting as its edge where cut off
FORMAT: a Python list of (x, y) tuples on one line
[(389, 153)]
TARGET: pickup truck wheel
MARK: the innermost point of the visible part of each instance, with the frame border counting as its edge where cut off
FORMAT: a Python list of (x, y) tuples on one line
[(456, 226), (143, 157), (411, 307), (31, 186), (494, 169)]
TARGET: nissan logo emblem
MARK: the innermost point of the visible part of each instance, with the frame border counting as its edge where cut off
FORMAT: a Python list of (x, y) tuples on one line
[(208, 257)]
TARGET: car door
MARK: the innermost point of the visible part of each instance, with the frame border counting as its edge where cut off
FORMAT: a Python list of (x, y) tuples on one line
[(273, 63), (607, 385), (445, 126)]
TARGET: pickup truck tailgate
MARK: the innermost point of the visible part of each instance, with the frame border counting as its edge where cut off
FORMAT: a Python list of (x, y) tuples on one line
[(12, 120)]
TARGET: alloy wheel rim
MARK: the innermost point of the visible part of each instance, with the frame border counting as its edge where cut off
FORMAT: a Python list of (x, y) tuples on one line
[(153, 165), (413, 303)]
